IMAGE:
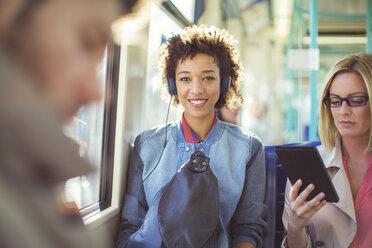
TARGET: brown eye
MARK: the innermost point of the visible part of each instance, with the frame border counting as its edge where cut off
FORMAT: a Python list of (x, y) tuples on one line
[(209, 78), (184, 79)]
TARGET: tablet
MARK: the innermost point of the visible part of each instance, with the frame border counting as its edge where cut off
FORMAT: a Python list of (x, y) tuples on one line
[(305, 163)]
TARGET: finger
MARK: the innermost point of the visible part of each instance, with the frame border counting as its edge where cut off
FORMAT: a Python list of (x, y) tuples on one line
[(316, 200), (320, 205), (315, 209), (294, 190), (310, 205), (301, 199)]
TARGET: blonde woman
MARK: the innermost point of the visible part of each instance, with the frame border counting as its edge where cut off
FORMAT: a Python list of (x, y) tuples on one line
[(345, 133)]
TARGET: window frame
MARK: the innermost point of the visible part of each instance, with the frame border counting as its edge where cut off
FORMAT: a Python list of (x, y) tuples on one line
[(110, 113), (108, 136)]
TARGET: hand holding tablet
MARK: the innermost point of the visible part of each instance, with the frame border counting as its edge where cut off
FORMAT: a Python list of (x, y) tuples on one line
[(305, 163)]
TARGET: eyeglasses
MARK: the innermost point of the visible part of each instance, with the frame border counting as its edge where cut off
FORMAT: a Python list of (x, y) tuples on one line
[(352, 101)]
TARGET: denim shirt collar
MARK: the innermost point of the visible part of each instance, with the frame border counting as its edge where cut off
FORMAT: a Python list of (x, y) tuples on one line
[(213, 136)]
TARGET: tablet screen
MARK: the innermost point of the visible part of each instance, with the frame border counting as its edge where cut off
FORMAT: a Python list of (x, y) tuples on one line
[(305, 163)]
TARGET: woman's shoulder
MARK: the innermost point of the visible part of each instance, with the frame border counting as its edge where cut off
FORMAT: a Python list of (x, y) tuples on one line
[(328, 155), (156, 133), (240, 133)]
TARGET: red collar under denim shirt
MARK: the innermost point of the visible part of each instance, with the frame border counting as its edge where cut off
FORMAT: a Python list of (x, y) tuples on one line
[(190, 136)]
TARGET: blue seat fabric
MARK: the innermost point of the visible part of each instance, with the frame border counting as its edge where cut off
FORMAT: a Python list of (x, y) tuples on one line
[(274, 197)]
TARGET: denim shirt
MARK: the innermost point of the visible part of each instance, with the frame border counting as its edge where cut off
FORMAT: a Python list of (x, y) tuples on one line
[(236, 159)]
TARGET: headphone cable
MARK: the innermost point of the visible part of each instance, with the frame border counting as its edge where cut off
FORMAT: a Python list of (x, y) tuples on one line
[(165, 141)]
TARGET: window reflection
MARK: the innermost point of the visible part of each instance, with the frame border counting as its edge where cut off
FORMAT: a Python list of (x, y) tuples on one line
[(186, 8), (86, 129), (162, 27)]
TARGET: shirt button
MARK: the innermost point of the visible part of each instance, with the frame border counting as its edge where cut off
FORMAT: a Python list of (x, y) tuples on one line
[(319, 243), (187, 148)]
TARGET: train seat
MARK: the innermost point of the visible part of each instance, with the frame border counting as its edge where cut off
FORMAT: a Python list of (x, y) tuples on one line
[(274, 197)]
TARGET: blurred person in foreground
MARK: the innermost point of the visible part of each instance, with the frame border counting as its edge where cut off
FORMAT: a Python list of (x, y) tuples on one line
[(345, 132), (49, 51)]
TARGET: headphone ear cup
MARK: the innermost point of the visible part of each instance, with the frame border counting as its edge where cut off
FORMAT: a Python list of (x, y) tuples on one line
[(225, 85), (171, 84)]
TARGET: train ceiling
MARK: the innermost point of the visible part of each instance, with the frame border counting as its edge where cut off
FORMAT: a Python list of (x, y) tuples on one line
[(335, 17)]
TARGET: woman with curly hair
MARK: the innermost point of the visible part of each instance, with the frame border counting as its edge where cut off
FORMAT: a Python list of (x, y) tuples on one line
[(197, 182)]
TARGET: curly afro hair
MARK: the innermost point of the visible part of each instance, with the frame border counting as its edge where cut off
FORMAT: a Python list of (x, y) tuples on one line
[(215, 42)]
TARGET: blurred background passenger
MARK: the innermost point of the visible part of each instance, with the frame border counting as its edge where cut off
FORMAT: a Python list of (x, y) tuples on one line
[(49, 51), (345, 133), (229, 115)]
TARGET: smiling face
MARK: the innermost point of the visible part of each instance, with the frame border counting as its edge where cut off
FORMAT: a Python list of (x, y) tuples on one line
[(61, 47), (198, 86), (353, 122)]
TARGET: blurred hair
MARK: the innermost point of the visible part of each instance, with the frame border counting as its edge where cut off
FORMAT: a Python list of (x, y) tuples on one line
[(128, 6), (28, 7), (217, 43), (134, 17), (360, 64)]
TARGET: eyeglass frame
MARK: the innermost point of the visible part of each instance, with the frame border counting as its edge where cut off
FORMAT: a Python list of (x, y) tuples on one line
[(346, 99)]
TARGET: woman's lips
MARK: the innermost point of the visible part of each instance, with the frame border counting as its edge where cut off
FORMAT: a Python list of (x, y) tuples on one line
[(197, 103), (346, 124)]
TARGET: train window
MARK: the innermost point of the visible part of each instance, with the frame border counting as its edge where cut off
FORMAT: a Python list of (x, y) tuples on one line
[(87, 130), (186, 8), (162, 27)]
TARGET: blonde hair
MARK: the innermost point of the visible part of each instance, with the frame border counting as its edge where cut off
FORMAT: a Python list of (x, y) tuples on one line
[(360, 64)]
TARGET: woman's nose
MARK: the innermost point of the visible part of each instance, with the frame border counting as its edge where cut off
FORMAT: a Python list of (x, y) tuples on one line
[(196, 86), (345, 108)]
